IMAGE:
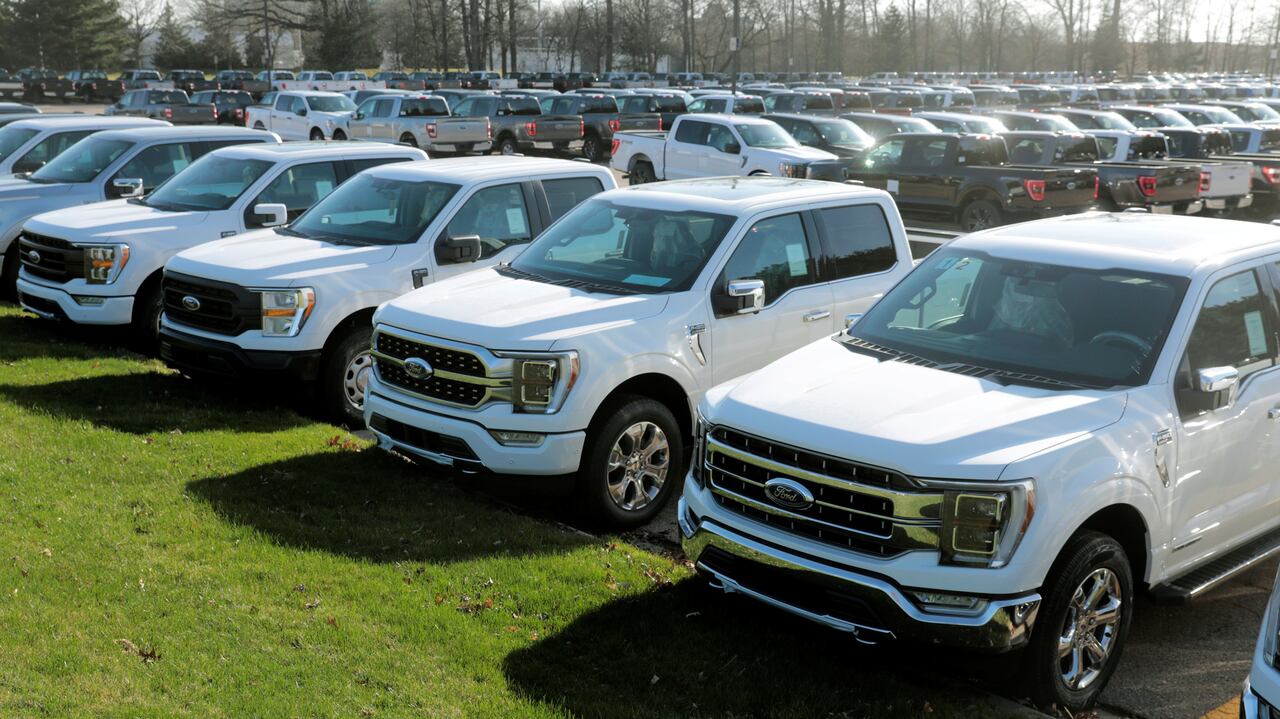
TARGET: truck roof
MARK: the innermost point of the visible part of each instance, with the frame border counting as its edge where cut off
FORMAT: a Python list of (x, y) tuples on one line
[(1170, 245), (482, 169), (310, 93), (306, 150), (86, 122), (739, 195), (195, 132)]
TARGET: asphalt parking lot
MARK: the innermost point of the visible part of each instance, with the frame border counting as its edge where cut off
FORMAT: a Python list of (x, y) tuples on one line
[(1181, 661)]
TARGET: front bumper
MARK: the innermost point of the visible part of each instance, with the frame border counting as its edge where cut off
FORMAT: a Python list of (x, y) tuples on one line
[(464, 445), (201, 356), (871, 608), (54, 303), (1261, 696)]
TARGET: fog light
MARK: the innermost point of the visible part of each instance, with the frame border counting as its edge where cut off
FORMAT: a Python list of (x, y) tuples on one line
[(517, 439), (939, 602), (86, 301)]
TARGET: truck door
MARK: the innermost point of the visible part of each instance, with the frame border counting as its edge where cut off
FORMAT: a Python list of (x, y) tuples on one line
[(382, 126), (858, 252), (358, 126), (500, 215), (923, 176), (1222, 473), (719, 156), (880, 163), (684, 148), (281, 115)]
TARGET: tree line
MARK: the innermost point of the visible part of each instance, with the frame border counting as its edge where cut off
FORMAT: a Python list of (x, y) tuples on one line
[(853, 36)]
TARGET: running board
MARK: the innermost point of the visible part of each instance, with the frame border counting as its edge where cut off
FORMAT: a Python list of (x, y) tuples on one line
[(1198, 581)]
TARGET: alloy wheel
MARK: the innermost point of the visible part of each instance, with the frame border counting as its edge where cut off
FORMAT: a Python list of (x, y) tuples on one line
[(638, 466), (1089, 632)]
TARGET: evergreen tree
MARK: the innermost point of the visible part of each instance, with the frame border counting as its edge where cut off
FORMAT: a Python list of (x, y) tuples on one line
[(63, 34), (890, 42), (174, 48)]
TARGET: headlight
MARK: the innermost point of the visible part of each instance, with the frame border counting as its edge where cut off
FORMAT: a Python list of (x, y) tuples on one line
[(103, 263), (982, 524), (541, 380), (285, 311), (700, 429), (1271, 628), (792, 169)]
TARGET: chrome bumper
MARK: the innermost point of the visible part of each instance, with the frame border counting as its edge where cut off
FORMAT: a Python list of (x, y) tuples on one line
[(995, 625)]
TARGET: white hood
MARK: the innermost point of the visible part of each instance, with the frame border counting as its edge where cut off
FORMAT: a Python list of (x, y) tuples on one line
[(922, 422), (484, 308), (265, 257), (115, 219), (800, 153)]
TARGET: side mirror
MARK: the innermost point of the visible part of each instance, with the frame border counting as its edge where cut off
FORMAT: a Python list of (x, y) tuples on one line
[(126, 187), (1221, 382), (272, 214), (119, 106), (733, 148), (358, 116), (27, 167), (301, 113), (741, 297), (456, 250)]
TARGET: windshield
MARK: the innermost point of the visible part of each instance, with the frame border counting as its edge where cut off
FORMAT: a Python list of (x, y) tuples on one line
[(625, 249), (1050, 324), (328, 103), (984, 124), (1219, 115), (371, 210), (210, 183), (1257, 113), (83, 161), (12, 138), (1168, 118), (766, 136), (843, 133)]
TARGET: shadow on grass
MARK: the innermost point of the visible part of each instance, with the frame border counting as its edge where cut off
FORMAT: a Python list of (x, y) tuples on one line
[(687, 651), (371, 505), (145, 403), (24, 336)]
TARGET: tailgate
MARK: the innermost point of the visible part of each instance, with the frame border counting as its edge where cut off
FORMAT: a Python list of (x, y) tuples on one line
[(461, 130), (640, 121), (1175, 184), (558, 129), (1063, 187), (193, 114)]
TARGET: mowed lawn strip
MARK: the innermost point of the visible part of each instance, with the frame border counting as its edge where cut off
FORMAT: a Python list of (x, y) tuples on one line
[(172, 548)]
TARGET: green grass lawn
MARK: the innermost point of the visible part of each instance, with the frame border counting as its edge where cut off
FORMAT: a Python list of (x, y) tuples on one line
[(174, 549)]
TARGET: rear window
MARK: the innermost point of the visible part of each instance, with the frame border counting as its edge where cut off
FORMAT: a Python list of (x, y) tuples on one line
[(1084, 149), (748, 105), (168, 98), (818, 102), (1147, 148), (669, 104), (523, 106), (982, 152), (433, 107), (600, 104), (1270, 140)]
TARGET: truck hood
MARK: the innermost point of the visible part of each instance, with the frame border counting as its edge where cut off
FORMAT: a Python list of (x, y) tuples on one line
[(920, 421), (13, 190), (340, 118), (265, 257), (484, 308), (110, 220), (793, 154)]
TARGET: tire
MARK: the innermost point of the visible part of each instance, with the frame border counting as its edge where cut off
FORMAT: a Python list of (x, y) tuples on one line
[(316, 134), (642, 174), (506, 146), (592, 149), (409, 139), (344, 374), (339, 135), (1089, 558), (147, 309), (9, 274), (980, 215), (644, 433)]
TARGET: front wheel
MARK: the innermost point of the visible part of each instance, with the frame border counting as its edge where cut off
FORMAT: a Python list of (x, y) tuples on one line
[(339, 135), (147, 308), (632, 464), (979, 215), (9, 273), (345, 375), (1083, 622)]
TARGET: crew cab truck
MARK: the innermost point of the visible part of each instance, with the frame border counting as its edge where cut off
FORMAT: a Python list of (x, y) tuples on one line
[(1162, 189), (968, 179), (517, 124), (168, 105), (93, 85), (383, 233), (242, 80), (1224, 184), (110, 164), (124, 245), (28, 145), (229, 105), (710, 145), (600, 120), (1261, 696), (583, 357), (419, 121), (144, 80), (1037, 423), (302, 115), (191, 81)]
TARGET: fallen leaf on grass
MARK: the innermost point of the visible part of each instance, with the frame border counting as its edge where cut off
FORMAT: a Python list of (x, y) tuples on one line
[(313, 603), (332, 621), (46, 552), (147, 655)]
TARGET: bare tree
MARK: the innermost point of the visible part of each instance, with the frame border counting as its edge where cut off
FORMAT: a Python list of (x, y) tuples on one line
[(141, 21)]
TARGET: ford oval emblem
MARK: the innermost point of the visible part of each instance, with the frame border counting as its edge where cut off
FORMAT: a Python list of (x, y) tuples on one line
[(33, 257), (418, 368), (788, 493), (1071, 185), (1178, 181), (190, 304)]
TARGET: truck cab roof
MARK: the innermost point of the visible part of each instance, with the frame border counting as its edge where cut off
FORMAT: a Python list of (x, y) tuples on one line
[(1171, 245), (85, 122), (481, 169), (739, 195), (196, 132), (310, 150)]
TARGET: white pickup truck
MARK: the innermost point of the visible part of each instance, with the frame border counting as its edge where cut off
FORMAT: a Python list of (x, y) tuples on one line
[(105, 166), (712, 145), (1261, 696), (102, 264), (382, 234), (322, 81), (302, 115), (584, 356), (1225, 184), (28, 145), (1038, 422)]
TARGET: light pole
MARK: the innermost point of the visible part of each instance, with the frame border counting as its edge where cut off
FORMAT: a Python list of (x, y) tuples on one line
[(735, 45)]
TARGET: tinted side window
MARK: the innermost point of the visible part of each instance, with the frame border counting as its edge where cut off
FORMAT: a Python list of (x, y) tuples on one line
[(886, 155), (297, 188), (364, 163), (565, 194), (694, 133), (776, 251), (498, 215), (382, 108), (284, 102), (856, 240), (157, 163), (47, 149)]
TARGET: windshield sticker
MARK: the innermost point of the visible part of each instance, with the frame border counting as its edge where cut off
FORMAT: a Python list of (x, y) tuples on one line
[(1257, 335), (646, 280), (796, 260), (893, 186)]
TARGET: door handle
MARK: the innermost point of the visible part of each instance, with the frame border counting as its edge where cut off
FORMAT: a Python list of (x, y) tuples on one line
[(816, 315)]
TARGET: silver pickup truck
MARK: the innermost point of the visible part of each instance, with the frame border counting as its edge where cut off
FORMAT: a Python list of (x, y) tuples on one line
[(418, 120), (518, 124)]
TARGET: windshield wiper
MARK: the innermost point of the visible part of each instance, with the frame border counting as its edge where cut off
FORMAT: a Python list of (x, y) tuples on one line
[(290, 232), (1004, 378)]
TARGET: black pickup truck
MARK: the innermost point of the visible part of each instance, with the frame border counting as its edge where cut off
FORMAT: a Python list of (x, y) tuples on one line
[(242, 80), (37, 85), (93, 85), (191, 81), (668, 105), (1159, 188), (600, 119), (968, 179)]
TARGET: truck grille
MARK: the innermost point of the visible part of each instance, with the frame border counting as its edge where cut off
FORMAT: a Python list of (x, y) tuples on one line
[(219, 307), (50, 258), (457, 377), (857, 507)]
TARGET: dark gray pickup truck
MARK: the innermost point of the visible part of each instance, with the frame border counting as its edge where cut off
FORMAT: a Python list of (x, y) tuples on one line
[(1160, 188), (520, 126), (600, 119), (171, 105)]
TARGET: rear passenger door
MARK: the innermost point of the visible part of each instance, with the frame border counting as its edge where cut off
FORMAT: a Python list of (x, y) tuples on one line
[(684, 149), (858, 255), (381, 127)]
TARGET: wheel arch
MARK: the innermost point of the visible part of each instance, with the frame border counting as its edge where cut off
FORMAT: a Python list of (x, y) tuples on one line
[(355, 319), (635, 161), (657, 386), (1124, 523)]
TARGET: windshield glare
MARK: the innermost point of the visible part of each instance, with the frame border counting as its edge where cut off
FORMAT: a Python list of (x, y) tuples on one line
[(1258, 113), (325, 103), (211, 183), (83, 161), (767, 136), (629, 248), (12, 138), (1100, 328), (843, 133), (375, 210)]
